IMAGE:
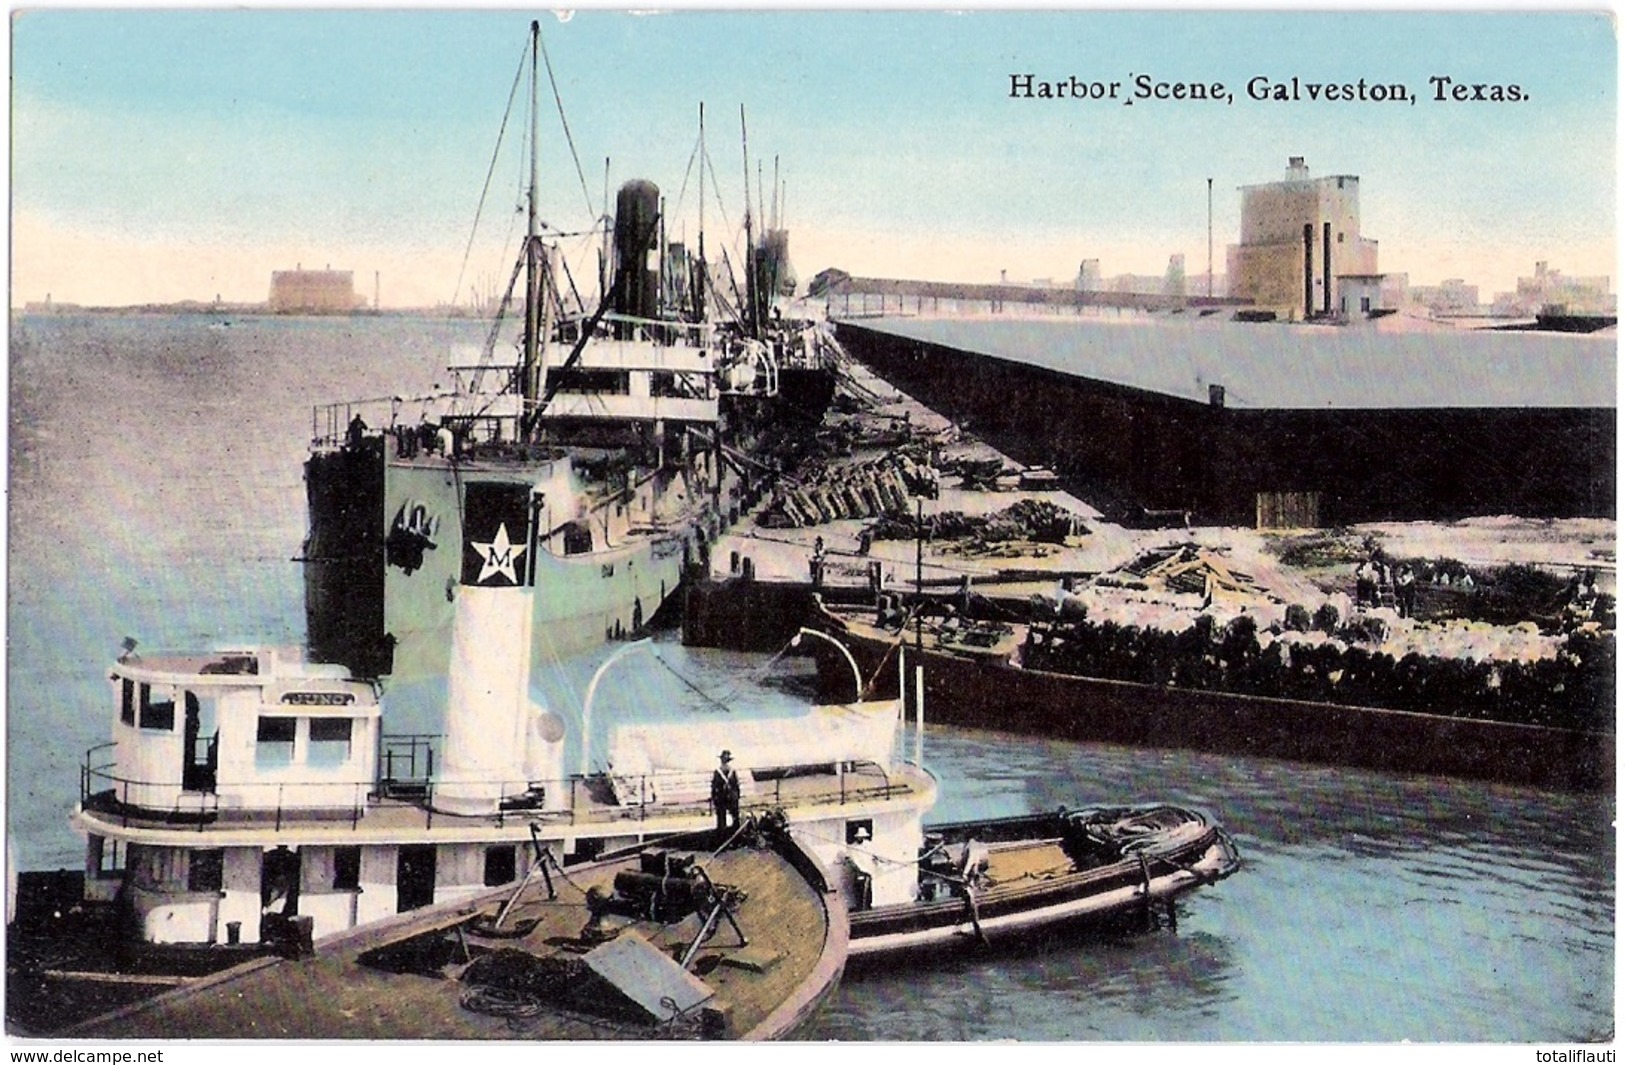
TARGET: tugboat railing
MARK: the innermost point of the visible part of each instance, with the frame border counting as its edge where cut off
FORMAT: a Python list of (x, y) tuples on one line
[(632, 797)]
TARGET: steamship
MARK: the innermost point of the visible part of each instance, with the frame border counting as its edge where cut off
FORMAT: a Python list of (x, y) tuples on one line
[(639, 427)]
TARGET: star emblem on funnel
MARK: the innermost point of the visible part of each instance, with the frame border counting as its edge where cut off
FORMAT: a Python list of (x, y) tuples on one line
[(499, 555)]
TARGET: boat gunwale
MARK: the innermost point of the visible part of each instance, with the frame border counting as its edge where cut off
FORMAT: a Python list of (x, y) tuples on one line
[(1127, 869), (920, 931)]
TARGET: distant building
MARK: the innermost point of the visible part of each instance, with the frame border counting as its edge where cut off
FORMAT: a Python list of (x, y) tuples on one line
[(50, 307), (1298, 237), (1205, 284), (1144, 284), (1450, 298), (300, 291), (1553, 292), (1359, 295), (1088, 276), (1396, 290), (1173, 282)]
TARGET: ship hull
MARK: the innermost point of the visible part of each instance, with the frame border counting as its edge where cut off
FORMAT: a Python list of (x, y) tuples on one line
[(386, 546), (976, 691)]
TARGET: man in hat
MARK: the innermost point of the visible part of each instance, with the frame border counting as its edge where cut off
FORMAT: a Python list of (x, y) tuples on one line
[(725, 795), (862, 861)]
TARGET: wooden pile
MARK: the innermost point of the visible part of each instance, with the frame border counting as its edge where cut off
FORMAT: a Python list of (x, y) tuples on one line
[(1190, 569), (866, 491)]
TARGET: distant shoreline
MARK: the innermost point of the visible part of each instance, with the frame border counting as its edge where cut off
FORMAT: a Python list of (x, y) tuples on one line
[(242, 310)]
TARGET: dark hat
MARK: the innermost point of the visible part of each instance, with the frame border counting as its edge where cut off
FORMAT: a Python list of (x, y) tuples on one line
[(727, 756)]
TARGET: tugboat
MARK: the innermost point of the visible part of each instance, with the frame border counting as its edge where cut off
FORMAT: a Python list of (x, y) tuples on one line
[(251, 802), (250, 795)]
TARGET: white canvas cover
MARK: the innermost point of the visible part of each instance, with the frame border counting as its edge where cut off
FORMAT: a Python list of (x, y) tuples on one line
[(853, 732)]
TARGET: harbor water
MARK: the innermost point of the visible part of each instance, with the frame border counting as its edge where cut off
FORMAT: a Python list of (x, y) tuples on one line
[(156, 493)]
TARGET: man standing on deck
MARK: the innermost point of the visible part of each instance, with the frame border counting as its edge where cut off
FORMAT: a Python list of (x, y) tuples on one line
[(725, 795), (863, 870)]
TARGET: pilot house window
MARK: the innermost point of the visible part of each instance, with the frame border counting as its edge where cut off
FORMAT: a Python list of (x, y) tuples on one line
[(500, 865), (159, 715), (346, 868), (274, 742), (207, 871), (329, 741)]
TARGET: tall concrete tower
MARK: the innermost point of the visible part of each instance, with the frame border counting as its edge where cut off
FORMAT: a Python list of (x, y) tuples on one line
[(1298, 236)]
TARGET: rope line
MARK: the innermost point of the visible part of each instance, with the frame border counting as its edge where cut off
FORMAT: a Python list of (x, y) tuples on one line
[(701, 692), (490, 172), (565, 122)]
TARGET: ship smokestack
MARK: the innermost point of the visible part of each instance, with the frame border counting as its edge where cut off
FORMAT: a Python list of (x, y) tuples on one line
[(637, 266), (487, 687)]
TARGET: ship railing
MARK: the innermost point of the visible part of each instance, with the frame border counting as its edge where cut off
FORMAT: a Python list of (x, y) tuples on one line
[(405, 794), (330, 422), (858, 781), (605, 799), (130, 800), (406, 764), (97, 766), (662, 330)]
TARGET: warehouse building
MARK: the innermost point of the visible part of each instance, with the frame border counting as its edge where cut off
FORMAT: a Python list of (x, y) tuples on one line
[(301, 291), (1266, 423)]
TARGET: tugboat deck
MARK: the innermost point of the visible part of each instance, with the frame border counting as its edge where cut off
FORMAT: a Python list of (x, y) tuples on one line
[(795, 955)]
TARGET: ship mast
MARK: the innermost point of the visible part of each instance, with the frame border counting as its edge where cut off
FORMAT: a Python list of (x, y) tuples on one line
[(701, 278), (531, 370), (752, 325)]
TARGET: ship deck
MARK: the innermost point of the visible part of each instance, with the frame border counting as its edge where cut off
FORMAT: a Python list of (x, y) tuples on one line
[(402, 979), (594, 811)]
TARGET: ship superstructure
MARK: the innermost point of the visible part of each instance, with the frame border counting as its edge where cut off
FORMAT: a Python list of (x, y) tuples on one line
[(248, 793), (639, 417)]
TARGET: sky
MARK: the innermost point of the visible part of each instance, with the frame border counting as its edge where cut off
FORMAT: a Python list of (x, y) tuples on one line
[(186, 154)]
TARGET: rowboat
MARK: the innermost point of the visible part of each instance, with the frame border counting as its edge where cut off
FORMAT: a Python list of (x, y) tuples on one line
[(1014, 879)]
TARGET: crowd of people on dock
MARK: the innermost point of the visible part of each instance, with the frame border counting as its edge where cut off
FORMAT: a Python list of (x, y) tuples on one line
[(1379, 583), (1376, 583)]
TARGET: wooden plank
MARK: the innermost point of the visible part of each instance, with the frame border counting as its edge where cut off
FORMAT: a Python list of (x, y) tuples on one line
[(119, 978)]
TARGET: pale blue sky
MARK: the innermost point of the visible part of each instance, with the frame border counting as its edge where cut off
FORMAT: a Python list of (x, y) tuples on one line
[(176, 154)]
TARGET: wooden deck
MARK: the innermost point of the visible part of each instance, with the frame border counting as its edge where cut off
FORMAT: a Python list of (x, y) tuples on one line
[(795, 955)]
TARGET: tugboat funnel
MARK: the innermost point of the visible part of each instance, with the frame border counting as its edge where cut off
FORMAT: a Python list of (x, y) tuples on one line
[(488, 711)]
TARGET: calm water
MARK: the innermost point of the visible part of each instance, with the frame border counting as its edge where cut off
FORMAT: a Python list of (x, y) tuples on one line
[(156, 492)]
